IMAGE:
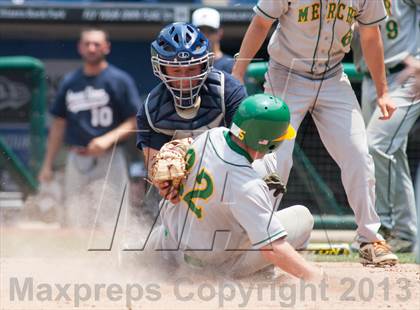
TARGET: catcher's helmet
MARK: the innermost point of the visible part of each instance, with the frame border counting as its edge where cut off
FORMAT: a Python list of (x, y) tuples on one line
[(181, 45), (262, 122)]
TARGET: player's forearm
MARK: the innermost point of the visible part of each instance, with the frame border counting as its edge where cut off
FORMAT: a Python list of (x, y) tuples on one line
[(251, 43), (284, 256), (122, 132), (149, 153), (373, 51), (55, 140)]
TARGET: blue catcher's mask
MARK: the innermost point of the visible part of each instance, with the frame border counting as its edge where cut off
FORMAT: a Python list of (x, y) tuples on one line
[(185, 50)]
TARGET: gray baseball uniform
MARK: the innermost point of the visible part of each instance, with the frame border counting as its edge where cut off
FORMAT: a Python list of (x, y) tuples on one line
[(305, 71), (387, 140), (224, 194), (417, 191)]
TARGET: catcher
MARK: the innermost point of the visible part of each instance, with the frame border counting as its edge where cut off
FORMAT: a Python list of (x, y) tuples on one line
[(223, 193), (192, 96)]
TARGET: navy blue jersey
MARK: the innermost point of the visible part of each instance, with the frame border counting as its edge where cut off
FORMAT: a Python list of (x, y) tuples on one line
[(94, 105), (225, 63), (158, 122)]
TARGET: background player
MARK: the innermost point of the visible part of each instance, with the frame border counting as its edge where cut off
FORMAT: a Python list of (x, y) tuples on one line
[(305, 70), (94, 109), (192, 96), (224, 193), (208, 21), (395, 201)]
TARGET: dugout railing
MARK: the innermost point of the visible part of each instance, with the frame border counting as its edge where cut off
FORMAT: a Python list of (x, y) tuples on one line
[(22, 122)]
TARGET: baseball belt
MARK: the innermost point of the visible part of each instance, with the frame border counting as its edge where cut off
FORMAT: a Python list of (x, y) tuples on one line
[(398, 68)]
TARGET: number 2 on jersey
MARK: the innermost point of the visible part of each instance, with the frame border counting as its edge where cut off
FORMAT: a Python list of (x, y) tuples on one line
[(204, 190)]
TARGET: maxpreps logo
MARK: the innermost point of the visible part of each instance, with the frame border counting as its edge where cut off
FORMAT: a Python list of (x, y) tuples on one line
[(13, 94)]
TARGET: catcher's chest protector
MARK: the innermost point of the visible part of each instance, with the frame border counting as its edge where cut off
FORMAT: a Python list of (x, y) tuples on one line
[(163, 118)]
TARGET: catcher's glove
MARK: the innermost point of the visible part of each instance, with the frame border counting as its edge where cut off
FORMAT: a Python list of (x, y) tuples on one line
[(274, 182), (169, 163)]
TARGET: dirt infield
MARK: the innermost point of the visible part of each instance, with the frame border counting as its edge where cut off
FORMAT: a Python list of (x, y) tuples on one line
[(51, 269)]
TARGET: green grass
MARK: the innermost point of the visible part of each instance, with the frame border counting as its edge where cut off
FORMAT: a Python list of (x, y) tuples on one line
[(405, 258)]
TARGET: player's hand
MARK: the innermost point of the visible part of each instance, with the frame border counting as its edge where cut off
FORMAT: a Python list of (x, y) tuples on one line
[(45, 174), (274, 182), (168, 192), (97, 147), (387, 107), (316, 275)]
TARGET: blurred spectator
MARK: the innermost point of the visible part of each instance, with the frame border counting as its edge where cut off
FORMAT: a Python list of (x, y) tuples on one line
[(94, 110), (208, 20)]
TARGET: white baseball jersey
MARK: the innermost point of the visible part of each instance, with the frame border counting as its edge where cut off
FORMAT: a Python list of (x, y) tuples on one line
[(400, 33), (222, 194), (312, 36)]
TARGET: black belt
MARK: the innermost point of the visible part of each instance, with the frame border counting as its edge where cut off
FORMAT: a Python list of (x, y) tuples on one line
[(398, 68)]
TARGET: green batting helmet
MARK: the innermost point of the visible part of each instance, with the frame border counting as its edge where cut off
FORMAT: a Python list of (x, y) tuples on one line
[(262, 122)]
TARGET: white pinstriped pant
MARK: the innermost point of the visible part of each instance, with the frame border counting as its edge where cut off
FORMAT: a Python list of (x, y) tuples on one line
[(339, 121)]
